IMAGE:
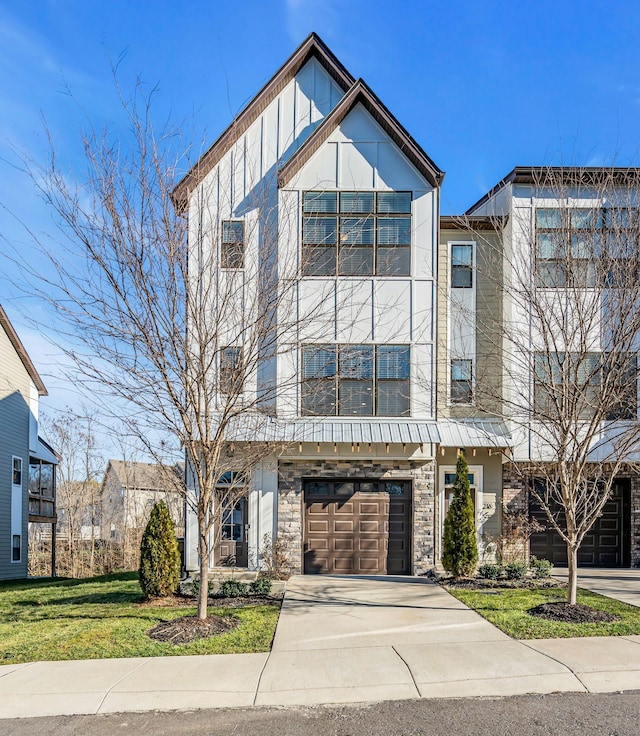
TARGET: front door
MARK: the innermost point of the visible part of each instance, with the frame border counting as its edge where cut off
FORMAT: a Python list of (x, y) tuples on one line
[(232, 550)]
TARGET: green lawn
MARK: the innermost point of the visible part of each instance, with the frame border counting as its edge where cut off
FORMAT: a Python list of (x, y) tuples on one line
[(507, 609), (98, 617)]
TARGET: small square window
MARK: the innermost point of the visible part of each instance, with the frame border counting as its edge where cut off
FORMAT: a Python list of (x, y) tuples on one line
[(232, 245)]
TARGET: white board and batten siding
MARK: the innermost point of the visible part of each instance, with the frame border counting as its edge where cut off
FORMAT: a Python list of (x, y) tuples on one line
[(359, 156)]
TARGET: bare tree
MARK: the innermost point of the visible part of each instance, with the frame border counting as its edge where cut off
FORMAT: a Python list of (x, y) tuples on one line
[(568, 335), (177, 321), (77, 487)]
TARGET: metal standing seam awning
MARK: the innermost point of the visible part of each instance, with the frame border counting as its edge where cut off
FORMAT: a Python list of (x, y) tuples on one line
[(474, 433), (444, 432), (324, 431)]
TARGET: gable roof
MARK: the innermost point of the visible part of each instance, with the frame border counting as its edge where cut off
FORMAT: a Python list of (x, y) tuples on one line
[(360, 93), (562, 175), (146, 476), (312, 47), (22, 353)]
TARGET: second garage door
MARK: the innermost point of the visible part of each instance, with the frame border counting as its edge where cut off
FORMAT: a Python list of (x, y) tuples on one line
[(357, 527), (608, 542)]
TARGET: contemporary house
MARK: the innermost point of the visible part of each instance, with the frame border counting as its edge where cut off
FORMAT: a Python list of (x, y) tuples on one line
[(27, 462), (376, 389)]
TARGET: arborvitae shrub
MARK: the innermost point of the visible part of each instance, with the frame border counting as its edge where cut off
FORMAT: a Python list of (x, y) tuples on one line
[(459, 546), (159, 554)]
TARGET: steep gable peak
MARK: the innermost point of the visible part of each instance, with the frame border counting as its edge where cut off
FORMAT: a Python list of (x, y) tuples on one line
[(312, 47), (361, 93)]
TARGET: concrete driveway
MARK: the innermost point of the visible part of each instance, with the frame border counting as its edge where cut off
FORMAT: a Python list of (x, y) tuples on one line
[(624, 585), (350, 639)]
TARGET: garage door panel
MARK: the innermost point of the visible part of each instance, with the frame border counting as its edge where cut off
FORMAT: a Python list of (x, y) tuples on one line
[(320, 526), (607, 544), (367, 532), (370, 545), (342, 545), (343, 525)]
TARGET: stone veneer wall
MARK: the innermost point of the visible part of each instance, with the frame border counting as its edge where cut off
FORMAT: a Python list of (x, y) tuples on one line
[(515, 497), (290, 501)]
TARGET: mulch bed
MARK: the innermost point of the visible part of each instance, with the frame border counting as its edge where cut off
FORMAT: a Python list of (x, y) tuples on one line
[(479, 583), (180, 601), (571, 614), (186, 629)]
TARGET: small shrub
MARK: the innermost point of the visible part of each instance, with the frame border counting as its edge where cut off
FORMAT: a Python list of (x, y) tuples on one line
[(275, 557), (159, 555), (232, 589), (540, 568), (260, 586), (516, 570), (490, 571), (459, 545)]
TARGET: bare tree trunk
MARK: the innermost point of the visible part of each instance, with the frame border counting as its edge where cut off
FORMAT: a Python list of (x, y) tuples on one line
[(204, 577), (572, 584)]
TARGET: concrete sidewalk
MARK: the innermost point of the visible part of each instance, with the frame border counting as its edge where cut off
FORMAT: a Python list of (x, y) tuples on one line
[(339, 640)]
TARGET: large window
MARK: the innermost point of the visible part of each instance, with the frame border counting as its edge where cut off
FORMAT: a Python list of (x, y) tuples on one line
[(573, 384), (356, 380), (585, 246), (232, 244), (356, 233)]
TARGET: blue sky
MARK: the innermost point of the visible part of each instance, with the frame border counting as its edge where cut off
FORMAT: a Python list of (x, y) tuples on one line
[(482, 86)]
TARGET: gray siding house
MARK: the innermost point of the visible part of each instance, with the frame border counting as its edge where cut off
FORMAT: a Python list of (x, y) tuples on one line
[(27, 463)]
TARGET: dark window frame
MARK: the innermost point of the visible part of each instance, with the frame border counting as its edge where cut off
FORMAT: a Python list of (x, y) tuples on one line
[(589, 384), (461, 390), (462, 272), (572, 262), (231, 249), (231, 371), (334, 486), (334, 377), (355, 236)]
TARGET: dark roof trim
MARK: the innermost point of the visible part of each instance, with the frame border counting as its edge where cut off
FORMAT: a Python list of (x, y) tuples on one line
[(22, 353), (471, 222), (562, 175), (361, 93), (314, 47)]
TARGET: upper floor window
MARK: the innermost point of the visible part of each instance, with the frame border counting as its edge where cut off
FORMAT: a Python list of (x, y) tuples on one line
[(16, 477), (462, 266), (580, 246), (461, 387), (231, 373), (356, 233), (355, 380), (583, 384), (232, 244)]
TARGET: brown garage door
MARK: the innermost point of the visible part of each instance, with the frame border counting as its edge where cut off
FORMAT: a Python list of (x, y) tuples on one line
[(357, 527), (608, 542)]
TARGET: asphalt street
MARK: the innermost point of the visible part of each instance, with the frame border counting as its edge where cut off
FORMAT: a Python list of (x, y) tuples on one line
[(612, 714)]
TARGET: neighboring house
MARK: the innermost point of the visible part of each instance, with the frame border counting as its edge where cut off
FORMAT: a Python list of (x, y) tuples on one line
[(377, 396), (27, 462), (565, 235), (129, 492)]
